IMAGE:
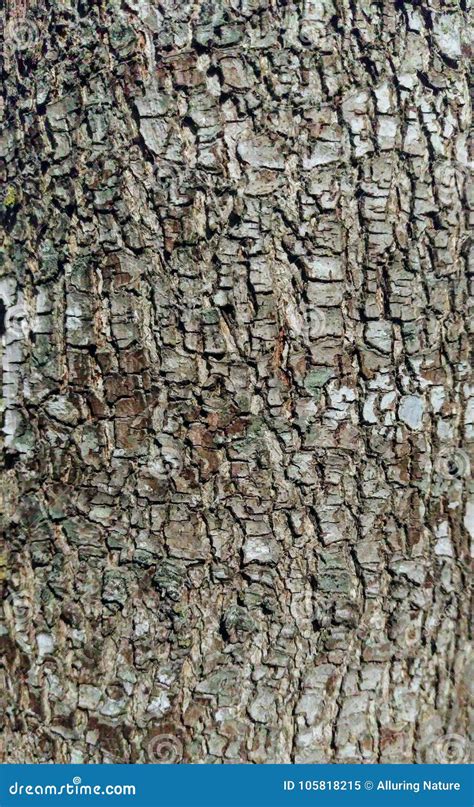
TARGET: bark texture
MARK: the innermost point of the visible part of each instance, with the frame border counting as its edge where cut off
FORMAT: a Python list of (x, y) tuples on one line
[(236, 381)]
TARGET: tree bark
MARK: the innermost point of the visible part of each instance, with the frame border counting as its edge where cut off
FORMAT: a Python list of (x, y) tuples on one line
[(236, 382)]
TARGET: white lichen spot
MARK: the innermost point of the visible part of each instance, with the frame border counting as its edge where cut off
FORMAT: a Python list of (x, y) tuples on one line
[(160, 705), (447, 34), (45, 644), (443, 546), (411, 411), (260, 549)]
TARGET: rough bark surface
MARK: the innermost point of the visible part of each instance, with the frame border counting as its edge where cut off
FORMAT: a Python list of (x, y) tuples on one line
[(236, 381)]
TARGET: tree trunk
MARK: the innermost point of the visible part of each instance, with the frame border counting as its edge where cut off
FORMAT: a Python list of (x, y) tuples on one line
[(235, 382)]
